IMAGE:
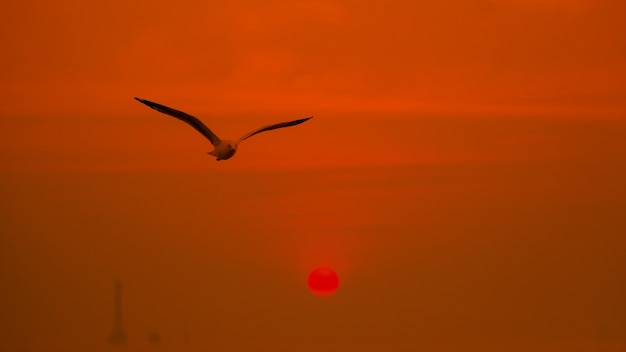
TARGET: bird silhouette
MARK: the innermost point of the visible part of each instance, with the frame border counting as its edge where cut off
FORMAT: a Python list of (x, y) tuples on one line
[(223, 149)]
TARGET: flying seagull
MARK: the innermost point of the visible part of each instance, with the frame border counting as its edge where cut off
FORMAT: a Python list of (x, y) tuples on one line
[(223, 149)]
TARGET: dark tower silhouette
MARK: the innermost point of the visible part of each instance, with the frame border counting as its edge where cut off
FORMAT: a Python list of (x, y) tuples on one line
[(118, 337)]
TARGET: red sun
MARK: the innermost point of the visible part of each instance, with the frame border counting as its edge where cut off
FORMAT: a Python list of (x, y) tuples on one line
[(323, 281)]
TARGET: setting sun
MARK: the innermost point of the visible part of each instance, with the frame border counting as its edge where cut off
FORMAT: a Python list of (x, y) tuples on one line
[(323, 281)]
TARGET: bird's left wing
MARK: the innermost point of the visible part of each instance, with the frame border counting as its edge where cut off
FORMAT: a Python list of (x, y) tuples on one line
[(190, 120), (273, 127)]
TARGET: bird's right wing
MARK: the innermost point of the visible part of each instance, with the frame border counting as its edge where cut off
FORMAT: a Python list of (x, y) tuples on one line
[(273, 127), (192, 121)]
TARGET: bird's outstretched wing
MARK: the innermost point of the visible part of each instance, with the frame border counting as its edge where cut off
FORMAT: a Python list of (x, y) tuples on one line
[(273, 127), (192, 121)]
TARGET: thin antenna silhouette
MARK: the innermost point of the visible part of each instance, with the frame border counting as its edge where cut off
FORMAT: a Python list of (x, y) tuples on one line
[(118, 337)]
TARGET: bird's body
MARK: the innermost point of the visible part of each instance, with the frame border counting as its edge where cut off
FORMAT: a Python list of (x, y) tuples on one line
[(223, 149)]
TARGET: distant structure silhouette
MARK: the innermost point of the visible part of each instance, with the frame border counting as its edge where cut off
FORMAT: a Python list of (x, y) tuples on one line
[(118, 337), (154, 337)]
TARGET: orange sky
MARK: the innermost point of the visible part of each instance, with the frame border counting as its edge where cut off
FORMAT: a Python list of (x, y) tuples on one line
[(69, 63), (508, 56), (463, 174)]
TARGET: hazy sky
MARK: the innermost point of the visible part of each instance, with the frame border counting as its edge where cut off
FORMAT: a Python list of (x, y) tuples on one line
[(479, 55), (463, 174)]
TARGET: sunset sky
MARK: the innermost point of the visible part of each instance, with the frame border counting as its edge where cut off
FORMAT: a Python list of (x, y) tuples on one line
[(463, 174)]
